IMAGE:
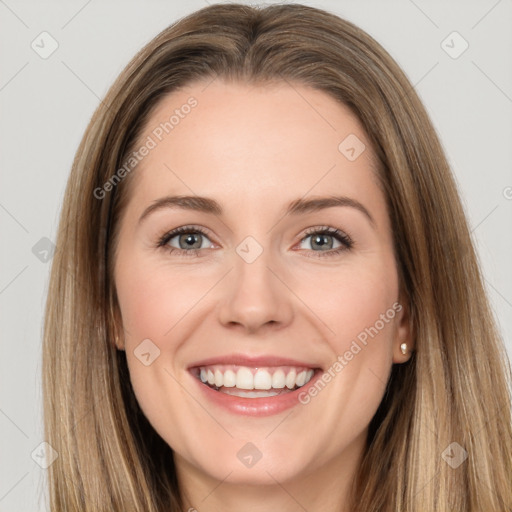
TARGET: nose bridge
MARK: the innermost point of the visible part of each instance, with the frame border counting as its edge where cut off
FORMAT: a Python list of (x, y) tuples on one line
[(255, 296)]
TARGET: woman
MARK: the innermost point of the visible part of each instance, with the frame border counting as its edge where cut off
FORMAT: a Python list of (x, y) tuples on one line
[(265, 285)]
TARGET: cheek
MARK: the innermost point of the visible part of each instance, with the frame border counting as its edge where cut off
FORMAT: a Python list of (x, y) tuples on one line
[(365, 318), (153, 298), (154, 302), (360, 309), (355, 303), (352, 386)]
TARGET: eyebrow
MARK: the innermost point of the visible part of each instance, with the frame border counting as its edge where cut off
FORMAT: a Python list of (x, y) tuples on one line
[(297, 207)]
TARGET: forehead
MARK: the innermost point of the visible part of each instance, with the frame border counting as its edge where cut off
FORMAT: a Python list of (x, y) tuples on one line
[(256, 144)]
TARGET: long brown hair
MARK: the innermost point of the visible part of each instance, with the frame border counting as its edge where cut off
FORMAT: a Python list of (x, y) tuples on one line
[(455, 389)]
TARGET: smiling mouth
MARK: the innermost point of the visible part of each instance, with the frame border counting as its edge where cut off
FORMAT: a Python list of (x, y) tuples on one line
[(248, 382)]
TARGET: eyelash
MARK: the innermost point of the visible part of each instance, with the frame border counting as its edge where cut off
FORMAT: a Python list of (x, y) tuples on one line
[(341, 237)]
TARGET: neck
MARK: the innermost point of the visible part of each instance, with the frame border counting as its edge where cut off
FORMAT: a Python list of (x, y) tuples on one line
[(324, 489)]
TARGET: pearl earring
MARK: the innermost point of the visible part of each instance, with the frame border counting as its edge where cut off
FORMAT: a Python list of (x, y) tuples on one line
[(403, 348)]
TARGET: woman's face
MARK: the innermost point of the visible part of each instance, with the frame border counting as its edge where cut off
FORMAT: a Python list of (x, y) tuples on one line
[(280, 288)]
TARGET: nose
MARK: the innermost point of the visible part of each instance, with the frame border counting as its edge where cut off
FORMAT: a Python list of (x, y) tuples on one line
[(255, 297)]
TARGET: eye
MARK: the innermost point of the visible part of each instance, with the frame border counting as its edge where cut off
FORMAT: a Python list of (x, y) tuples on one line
[(326, 240), (187, 240)]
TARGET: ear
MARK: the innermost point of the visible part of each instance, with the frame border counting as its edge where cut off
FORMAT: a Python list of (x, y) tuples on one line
[(119, 343), (404, 332), (116, 323)]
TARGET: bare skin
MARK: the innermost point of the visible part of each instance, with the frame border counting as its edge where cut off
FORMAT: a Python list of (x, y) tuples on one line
[(254, 150)]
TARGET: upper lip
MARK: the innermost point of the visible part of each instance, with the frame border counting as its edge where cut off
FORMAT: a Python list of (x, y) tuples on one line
[(253, 361)]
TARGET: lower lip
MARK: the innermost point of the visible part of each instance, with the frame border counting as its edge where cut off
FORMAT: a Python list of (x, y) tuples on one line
[(263, 406)]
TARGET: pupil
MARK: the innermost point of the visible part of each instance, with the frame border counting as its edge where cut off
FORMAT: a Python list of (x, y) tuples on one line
[(190, 241), (320, 241)]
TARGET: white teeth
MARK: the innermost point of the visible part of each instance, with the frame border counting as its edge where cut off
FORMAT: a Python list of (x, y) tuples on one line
[(244, 378), (251, 394), (264, 379), (229, 379), (301, 378), (290, 379), (278, 379)]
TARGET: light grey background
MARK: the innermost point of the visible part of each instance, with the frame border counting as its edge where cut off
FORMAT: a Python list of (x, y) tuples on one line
[(47, 103)]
